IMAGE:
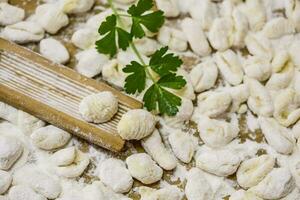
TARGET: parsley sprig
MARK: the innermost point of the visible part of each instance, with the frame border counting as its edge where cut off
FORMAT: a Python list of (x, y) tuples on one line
[(163, 64)]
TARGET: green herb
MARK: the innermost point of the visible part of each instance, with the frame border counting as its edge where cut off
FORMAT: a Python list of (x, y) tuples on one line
[(159, 95)]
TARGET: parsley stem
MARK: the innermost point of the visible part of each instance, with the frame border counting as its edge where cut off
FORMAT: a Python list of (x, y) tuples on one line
[(132, 45)]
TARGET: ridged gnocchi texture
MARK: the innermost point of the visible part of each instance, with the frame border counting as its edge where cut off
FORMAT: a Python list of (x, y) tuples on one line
[(5, 181), (277, 184), (244, 195), (40, 182), (169, 7), (99, 107), (64, 157), (241, 28), (10, 14), (287, 107), (51, 18), (258, 45), (50, 137), (143, 168), (292, 11), (182, 145), (213, 104), (277, 136), (256, 13), (253, 170), (218, 162), (76, 6), (230, 67), (23, 192), (10, 151), (113, 173), (217, 133), (136, 124), (197, 186), (196, 37), (259, 101), (23, 32), (154, 146), (204, 75), (174, 38), (258, 68), (239, 95), (84, 38), (278, 27)]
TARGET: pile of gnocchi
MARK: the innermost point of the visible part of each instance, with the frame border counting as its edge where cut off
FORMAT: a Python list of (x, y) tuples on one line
[(235, 137)]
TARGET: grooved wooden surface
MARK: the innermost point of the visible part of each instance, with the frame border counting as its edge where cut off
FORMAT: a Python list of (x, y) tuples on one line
[(53, 92)]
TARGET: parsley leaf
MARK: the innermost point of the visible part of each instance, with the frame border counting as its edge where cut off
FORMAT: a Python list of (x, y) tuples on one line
[(172, 81), (152, 21), (163, 63), (108, 44), (136, 81)]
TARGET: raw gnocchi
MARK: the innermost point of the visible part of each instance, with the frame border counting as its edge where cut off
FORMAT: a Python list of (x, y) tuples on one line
[(169, 7), (174, 38), (278, 27), (253, 170), (10, 151), (84, 38), (154, 146), (204, 75), (64, 157), (50, 137), (292, 11), (76, 6), (182, 145), (166, 193), (10, 14), (54, 50), (113, 173), (258, 68), (99, 108), (244, 195), (136, 124), (22, 192), (217, 133), (5, 181), (143, 168), (258, 45)]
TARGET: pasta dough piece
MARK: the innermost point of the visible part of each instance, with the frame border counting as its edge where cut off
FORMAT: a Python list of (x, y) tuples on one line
[(256, 13), (294, 195), (241, 27), (278, 27), (292, 11), (146, 46), (277, 136), (205, 12), (28, 123), (76, 6), (281, 79), (76, 168), (98, 108), (64, 157), (3, 197), (213, 104), (258, 68), (40, 182), (182, 145), (84, 38), (293, 52), (50, 137), (5, 181), (169, 7), (218, 162), (8, 113), (112, 73), (154, 146), (10, 14), (143, 168), (166, 193), (22, 192), (10, 151), (197, 187), (258, 45), (187, 91), (90, 62), (175, 39), (253, 170), (220, 34), (184, 114), (51, 18), (204, 75), (195, 36), (260, 101), (287, 107), (244, 195), (239, 95), (136, 124), (113, 173), (280, 61), (23, 32), (95, 21), (230, 67), (277, 184), (217, 133), (54, 50)]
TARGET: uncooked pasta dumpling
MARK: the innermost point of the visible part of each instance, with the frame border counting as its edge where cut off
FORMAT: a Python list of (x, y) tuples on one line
[(98, 108), (136, 124), (10, 151), (5, 181)]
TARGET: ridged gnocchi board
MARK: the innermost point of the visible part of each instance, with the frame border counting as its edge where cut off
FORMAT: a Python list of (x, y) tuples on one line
[(52, 92)]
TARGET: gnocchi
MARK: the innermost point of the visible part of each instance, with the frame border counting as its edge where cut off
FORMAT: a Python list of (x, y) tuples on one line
[(278, 27), (174, 38), (54, 50), (76, 6), (292, 11), (244, 195), (10, 151), (64, 157), (154, 146), (5, 181), (253, 170), (114, 174), (10, 14), (99, 108), (166, 193), (182, 145), (136, 124), (84, 38), (50, 137), (143, 168), (256, 14), (169, 7), (22, 192), (258, 68), (258, 45), (217, 133)]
